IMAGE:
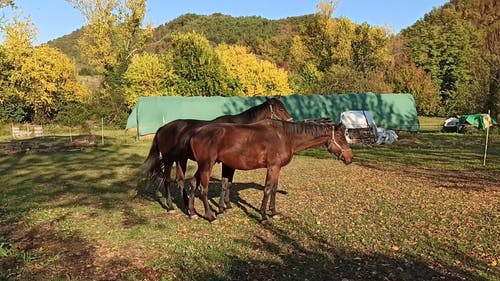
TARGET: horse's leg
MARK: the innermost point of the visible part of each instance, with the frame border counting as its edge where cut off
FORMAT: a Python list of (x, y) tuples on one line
[(205, 170), (227, 173), (166, 185), (272, 202), (192, 187), (223, 191), (271, 180), (181, 166)]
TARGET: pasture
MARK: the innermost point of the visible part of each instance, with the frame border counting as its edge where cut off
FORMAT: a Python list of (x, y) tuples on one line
[(424, 208)]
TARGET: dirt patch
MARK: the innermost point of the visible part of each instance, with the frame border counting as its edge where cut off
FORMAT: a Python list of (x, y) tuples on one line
[(48, 144)]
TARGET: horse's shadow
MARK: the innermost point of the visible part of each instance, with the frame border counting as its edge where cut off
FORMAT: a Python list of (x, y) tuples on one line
[(214, 190), (235, 197)]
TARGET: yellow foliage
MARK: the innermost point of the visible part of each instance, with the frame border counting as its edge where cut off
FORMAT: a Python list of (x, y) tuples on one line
[(255, 77), (113, 32), (47, 77), (146, 76)]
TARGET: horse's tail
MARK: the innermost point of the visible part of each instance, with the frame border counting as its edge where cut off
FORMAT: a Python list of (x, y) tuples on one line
[(152, 170), (153, 163)]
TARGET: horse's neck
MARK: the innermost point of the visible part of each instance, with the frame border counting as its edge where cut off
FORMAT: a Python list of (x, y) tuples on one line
[(303, 141), (251, 115)]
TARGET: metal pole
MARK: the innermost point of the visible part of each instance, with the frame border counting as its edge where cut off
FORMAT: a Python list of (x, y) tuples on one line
[(486, 143)]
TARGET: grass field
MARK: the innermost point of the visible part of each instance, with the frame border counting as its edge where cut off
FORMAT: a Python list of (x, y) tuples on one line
[(424, 208)]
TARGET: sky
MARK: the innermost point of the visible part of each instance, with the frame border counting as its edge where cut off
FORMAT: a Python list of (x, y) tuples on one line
[(55, 18)]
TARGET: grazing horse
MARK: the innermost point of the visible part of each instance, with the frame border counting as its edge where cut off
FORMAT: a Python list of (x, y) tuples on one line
[(166, 148), (268, 144)]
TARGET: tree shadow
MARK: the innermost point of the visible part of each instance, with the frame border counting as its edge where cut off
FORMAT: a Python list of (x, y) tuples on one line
[(315, 258)]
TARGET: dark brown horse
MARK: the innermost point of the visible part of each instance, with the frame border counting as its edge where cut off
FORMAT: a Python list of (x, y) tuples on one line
[(267, 144), (166, 148)]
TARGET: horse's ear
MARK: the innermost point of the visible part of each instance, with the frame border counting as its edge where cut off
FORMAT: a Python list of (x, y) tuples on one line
[(277, 97)]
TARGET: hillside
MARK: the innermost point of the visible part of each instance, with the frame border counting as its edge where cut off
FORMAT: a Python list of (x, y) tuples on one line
[(263, 36), (458, 44)]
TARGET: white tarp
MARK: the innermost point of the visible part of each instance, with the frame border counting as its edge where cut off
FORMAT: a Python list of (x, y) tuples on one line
[(386, 136), (362, 119), (357, 119)]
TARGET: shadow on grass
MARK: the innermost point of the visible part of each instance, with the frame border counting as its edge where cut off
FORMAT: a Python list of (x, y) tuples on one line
[(314, 258), (59, 256)]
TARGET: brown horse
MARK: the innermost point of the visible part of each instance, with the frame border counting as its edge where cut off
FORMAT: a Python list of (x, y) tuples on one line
[(166, 148), (267, 144)]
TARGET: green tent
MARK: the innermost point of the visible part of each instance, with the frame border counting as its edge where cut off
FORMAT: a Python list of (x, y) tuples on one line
[(390, 111)]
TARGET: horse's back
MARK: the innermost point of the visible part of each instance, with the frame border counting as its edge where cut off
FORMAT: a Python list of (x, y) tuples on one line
[(169, 134), (240, 146)]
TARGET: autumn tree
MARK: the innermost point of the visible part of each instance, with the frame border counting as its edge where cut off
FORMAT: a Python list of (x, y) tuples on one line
[(254, 77), (406, 77), (335, 55), (148, 75), (113, 32), (40, 80)]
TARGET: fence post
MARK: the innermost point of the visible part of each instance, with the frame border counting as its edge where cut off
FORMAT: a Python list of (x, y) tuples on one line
[(102, 130), (487, 135)]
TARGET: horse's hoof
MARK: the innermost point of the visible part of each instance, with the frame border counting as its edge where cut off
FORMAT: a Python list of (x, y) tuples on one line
[(171, 211), (276, 216), (193, 217), (214, 221), (266, 222)]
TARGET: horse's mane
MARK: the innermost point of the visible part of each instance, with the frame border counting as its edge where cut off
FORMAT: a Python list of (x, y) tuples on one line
[(250, 114), (254, 111), (310, 128)]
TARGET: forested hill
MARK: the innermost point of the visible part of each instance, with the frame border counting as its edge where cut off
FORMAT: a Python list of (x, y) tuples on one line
[(459, 44), (261, 35)]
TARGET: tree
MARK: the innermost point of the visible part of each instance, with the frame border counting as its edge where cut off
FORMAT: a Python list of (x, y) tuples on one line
[(47, 81), (369, 48), (407, 77), (458, 44), (113, 32), (40, 80), (147, 75), (254, 77), (198, 67)]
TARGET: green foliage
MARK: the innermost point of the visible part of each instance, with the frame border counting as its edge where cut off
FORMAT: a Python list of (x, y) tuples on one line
[(74, 114), (13, 109), (453, 44), (406, 77), (198, 67)]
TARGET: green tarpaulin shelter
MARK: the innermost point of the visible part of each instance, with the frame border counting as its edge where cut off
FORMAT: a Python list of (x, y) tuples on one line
[(390, 111), (480, 121)]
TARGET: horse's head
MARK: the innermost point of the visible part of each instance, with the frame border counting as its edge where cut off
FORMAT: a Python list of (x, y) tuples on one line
[(277, 109), (338, 145)]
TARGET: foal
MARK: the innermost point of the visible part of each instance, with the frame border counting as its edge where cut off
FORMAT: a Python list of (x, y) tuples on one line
[(268, 144)]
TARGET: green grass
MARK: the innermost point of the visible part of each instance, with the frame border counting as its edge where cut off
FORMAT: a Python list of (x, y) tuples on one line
[(431, 124), (421, 209)]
